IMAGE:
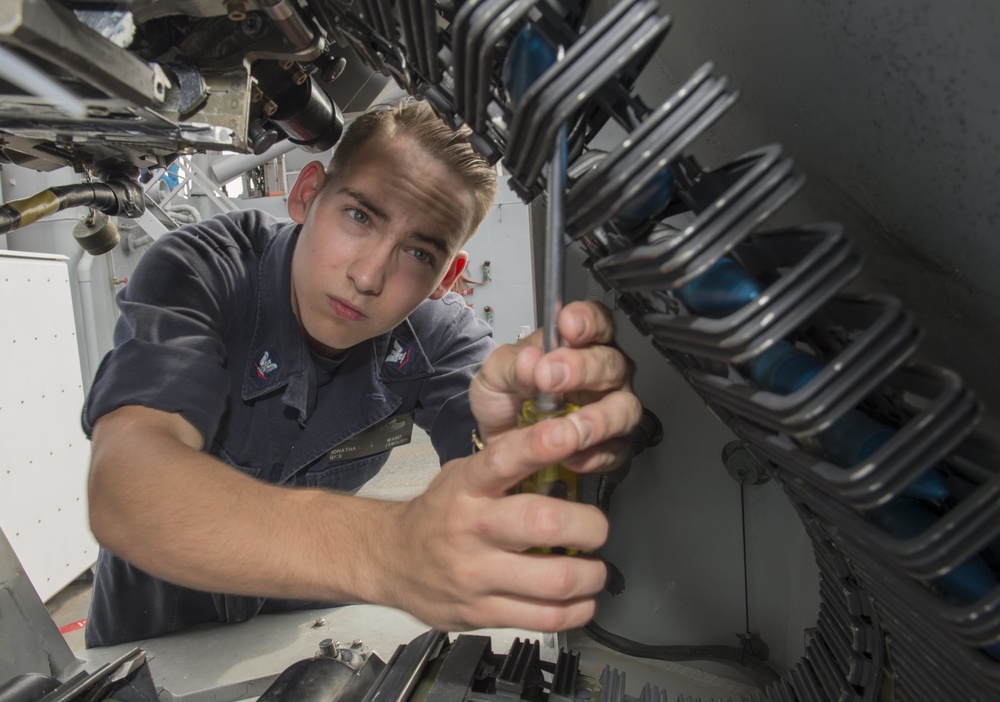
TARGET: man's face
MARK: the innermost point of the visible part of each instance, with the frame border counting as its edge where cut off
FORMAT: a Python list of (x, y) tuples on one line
[(376, 241)]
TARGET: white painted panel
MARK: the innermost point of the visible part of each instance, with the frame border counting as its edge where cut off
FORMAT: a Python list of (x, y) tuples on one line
[(44, 459), (503, 239)]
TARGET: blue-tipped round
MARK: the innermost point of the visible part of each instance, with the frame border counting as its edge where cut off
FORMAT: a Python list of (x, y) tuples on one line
[(529, 57), (853, 438), (969, 582), (721, 290), (930, 486), (783, 369), (856, 436), (650, 201)]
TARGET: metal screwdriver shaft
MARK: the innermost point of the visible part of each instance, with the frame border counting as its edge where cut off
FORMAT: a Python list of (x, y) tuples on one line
[(552, 480), (554, 262)]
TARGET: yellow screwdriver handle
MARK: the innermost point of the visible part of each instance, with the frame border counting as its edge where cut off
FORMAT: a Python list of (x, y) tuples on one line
[(552, 480)]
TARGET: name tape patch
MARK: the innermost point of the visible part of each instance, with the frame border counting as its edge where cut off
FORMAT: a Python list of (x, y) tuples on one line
[(387, 434)]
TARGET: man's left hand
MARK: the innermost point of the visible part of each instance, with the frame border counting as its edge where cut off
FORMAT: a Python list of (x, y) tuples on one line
[(586, 370)]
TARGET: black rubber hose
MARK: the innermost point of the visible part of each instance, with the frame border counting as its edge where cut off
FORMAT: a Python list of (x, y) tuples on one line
[(100, 196), (722, 654), (9, 219), (119, 197)]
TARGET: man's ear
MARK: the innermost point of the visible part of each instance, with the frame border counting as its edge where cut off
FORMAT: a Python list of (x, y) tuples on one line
[(455, 269), (307, 186)]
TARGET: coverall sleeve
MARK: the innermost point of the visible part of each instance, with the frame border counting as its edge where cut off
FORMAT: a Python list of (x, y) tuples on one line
[(460, 343), (169, 352)]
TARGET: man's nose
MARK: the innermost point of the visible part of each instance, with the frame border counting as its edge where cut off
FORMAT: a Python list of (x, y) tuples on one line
[(368, 271)]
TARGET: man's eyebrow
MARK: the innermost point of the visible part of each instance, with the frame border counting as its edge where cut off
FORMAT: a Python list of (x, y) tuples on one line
[(433, 241), (366, 203), (360, 198)]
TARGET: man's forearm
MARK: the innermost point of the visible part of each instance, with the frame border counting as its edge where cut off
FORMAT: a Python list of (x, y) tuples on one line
[(457, 556), (183, 516)]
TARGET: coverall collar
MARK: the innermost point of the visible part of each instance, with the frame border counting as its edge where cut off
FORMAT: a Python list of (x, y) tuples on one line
[(278, 355)]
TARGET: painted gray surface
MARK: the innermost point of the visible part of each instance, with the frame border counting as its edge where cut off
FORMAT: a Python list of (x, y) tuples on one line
[(31, 641), (676, 528), (676, 681), (891, 109), (675, 521), (277, 206)]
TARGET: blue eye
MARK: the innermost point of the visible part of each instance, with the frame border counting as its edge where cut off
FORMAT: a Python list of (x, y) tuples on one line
[(422, 256), (357, 215)]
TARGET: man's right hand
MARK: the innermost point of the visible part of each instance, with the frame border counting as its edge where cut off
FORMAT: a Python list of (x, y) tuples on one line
[(455, 557), (458, 553)]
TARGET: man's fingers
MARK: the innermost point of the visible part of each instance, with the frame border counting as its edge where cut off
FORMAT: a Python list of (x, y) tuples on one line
[(497, 391), (540, 591), (544, 577), (603, 458), (549, 578), (514, 373), (518, 453), (499, 373), (583, 323), (597, 368), (499, 386), (526, 521), (614, 415)]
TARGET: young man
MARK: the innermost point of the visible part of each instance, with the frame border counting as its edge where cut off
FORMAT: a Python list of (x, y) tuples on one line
[(261, 373)]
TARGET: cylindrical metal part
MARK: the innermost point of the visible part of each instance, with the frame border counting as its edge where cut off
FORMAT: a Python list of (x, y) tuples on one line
[(260, 138), (310, 118), (97, 234), (333, 69), (227, 168), (236, 10), (328, 648), (286, 16), (742, 465)]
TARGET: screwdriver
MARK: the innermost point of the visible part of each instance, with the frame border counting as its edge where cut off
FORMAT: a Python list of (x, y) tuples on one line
[(553, 480)]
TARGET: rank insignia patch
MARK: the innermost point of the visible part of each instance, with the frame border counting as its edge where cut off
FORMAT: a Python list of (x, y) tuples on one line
[(400, 357), (263, 370)]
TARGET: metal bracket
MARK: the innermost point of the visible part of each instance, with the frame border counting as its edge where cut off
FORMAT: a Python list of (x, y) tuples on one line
[(53, 33)]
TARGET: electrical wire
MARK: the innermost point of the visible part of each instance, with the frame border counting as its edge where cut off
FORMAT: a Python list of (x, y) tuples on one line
[(746, 578)]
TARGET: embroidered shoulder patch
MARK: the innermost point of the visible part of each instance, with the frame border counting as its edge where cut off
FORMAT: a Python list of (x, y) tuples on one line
[(263, 370), (400, 356)]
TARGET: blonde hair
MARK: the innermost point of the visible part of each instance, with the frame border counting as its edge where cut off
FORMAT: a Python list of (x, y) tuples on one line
[(417, 120)]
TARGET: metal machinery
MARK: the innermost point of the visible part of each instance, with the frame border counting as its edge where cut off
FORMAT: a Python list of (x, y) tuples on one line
[(887, 456)]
